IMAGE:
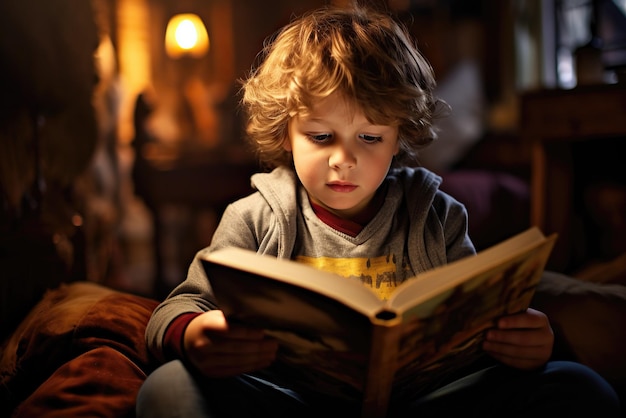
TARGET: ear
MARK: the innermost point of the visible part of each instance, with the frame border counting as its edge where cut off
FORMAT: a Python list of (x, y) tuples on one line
[(287, 143), (397, 150)]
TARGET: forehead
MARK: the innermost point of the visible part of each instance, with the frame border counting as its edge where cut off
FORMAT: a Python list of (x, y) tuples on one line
[(337, 103)]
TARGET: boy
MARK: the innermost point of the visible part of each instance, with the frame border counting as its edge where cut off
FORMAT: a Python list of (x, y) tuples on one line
[(341, 100)]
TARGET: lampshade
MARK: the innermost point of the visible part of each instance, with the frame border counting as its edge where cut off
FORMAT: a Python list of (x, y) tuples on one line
[(186, 35)]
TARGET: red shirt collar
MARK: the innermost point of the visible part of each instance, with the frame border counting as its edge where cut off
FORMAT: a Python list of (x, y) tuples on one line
[(355, 225)]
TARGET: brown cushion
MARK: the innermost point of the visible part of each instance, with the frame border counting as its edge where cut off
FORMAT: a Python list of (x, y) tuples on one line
[(101, 382), (70, 326)]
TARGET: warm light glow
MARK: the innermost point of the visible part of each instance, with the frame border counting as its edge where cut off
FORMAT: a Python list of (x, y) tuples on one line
[(133, 34), (186, 35)]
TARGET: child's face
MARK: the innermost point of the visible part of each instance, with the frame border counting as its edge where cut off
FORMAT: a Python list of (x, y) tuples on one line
[(340, 157)]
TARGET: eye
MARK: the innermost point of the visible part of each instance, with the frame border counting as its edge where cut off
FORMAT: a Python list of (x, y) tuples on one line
[(319, 138), (370, 138)]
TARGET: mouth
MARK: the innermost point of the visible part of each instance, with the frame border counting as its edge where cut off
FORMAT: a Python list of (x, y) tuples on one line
[(342, 187)]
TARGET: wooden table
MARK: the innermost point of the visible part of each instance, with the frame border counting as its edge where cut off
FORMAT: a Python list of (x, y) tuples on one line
[(553, 121)]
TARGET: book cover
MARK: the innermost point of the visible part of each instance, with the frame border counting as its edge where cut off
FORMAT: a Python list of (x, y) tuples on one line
[(336, 336)]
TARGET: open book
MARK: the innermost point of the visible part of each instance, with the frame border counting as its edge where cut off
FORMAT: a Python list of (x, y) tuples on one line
[(336, 335)]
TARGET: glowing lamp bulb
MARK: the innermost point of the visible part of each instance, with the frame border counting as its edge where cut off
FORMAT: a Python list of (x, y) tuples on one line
[(186, 35)]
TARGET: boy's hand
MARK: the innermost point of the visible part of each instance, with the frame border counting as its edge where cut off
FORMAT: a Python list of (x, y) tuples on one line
[(523, 340), (219, 349)]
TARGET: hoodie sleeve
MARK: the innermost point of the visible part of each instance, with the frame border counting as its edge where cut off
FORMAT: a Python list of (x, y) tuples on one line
[(262, 222), (194, 294)]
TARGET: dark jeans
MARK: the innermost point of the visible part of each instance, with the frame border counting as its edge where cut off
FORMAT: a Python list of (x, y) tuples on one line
[(561, 389)]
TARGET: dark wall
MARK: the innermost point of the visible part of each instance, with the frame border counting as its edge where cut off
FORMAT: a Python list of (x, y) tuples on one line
[(47, 136)]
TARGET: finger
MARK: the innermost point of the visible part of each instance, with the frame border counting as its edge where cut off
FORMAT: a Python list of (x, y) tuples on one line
[(244, 360), (214, 319), (529, 319), (215, 323), (518, 354), (236, 333), (515, 350), (212, 347), (236, 347), (520, 338), (228, 364)]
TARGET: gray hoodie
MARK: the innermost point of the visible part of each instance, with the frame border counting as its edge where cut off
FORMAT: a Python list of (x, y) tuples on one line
[(418, 225)]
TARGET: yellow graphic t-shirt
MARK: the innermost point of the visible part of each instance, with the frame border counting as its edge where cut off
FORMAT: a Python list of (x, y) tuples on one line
[(378, 273)]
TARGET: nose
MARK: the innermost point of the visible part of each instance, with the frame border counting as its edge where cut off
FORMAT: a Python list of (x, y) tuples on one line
[(342, 157)]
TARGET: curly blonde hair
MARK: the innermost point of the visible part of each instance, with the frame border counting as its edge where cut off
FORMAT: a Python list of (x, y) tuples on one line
[(365, 54)]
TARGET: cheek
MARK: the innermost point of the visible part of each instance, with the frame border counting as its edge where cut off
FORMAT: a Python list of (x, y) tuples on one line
[(304, 159), (378, 167), (309, 164), (306, 172), (303, 149)]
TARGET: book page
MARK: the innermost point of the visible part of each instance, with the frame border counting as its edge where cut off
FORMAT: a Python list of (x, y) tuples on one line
[(444, 332), (427, 284), (349, 292)]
